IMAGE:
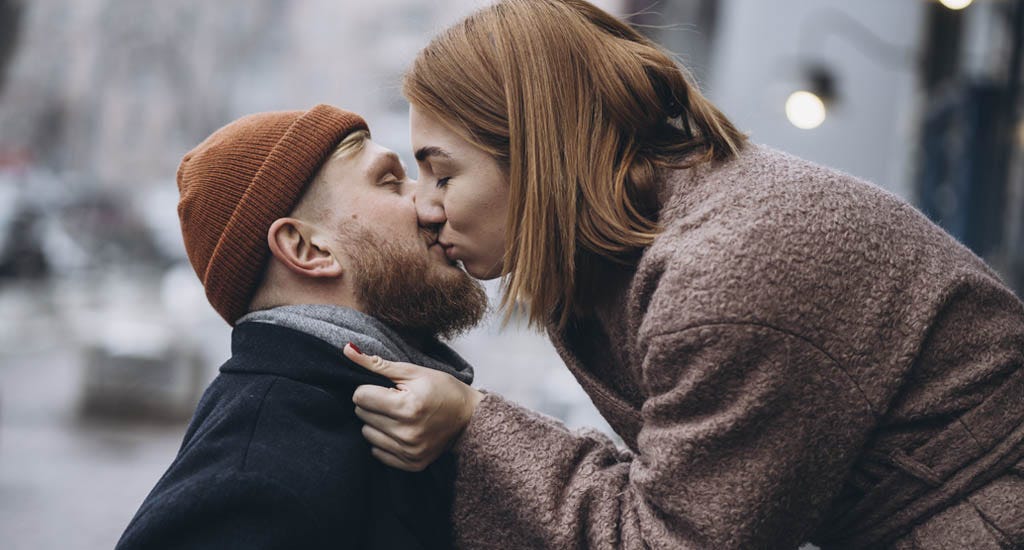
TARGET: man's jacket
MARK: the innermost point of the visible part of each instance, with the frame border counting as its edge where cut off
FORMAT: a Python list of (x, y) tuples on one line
[(274, 458)]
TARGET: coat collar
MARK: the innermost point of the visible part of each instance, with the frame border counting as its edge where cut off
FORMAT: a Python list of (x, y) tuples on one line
[(262, 348)]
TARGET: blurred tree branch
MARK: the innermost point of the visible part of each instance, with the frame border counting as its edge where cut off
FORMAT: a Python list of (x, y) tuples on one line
[(10, 21)]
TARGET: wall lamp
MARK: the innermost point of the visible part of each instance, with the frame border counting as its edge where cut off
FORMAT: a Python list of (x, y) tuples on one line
[(956, 4), (807, 108)]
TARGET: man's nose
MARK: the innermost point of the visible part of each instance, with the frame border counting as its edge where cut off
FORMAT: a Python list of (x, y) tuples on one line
[(429, 205)]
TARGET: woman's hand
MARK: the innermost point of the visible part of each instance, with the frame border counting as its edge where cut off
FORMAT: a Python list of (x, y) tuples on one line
[(409, 426)]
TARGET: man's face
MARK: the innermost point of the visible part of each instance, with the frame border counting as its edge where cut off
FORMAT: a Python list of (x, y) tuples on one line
[(369, 188), (399, 272)]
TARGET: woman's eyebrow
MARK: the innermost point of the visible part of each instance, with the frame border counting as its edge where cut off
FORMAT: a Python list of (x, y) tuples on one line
[(423, 153)]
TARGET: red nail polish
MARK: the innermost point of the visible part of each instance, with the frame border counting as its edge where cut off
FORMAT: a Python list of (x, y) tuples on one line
[(355, 347)]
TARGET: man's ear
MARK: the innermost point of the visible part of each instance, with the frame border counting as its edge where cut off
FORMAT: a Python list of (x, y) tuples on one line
[(291, 242)]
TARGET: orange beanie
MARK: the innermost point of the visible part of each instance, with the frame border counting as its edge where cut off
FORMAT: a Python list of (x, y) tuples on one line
[(241, 179)]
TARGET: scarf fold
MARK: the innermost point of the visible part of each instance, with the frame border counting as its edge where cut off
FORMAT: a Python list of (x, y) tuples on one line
[(340, 325)]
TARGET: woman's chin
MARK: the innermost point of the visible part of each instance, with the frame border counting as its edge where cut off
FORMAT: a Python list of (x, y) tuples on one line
[(483, 273)]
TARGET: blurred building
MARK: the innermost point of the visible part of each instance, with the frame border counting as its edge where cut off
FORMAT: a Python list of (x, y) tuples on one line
[(119, 90), (917, 97), (969, 168)]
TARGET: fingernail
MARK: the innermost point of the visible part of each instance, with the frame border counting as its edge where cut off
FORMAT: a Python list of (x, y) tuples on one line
[(355, 347)]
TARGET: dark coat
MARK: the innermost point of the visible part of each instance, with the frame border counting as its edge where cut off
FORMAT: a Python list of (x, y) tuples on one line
[(274, 458)]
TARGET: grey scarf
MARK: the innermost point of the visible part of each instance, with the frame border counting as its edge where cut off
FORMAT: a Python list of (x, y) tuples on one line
[(340, 325)]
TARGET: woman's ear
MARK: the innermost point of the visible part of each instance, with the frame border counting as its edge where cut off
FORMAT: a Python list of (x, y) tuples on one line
[(291, 242)]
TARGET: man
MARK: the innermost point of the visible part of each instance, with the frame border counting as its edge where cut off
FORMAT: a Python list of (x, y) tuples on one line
[(294, 222)]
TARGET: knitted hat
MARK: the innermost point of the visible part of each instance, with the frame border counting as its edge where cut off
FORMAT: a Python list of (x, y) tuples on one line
[(241, 179)]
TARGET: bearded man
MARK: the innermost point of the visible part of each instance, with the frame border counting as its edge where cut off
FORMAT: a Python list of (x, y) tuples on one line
[(293, 222)]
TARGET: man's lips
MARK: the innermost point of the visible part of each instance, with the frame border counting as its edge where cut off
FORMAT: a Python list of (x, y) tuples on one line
[(449, 250), (445, 249)]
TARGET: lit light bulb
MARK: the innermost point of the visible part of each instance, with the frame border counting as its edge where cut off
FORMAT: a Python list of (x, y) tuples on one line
[(956, 4), (805, 110)]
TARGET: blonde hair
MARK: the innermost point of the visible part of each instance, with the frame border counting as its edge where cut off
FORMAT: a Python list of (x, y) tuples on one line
[(313, 205), (584, 114), (352, 143)]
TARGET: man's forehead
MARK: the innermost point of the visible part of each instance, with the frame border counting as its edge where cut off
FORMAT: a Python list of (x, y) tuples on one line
[(370, 161), (377, 158)]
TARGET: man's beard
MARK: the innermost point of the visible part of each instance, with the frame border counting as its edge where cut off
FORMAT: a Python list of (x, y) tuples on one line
[(399, 286)]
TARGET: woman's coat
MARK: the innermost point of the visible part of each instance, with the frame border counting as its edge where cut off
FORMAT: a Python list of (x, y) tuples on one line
[(799, 356)]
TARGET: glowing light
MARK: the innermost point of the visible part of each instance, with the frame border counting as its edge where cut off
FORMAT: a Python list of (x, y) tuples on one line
[(805, 110), (956, 4)]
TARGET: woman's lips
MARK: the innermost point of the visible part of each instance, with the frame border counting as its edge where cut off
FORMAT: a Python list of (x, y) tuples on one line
[(443, 251), (437, 250)]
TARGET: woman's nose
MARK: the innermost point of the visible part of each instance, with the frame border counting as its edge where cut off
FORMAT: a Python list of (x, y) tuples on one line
[(429, 205)]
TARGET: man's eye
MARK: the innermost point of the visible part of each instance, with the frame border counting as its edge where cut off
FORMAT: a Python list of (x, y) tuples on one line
[(443, 182)]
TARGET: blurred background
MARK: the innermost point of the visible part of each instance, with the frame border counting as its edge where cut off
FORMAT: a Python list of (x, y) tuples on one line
[(106, 339)]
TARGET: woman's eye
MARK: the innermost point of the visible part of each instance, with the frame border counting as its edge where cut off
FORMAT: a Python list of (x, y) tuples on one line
[(443, 182)]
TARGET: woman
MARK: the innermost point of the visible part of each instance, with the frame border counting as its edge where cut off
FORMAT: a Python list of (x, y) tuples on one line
[(789, 353)]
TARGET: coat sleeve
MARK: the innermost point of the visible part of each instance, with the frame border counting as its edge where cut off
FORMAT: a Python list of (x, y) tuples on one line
[(231, 510), (748, 432)]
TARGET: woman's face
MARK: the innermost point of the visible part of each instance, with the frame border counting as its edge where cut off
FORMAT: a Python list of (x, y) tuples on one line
[(462, 191)]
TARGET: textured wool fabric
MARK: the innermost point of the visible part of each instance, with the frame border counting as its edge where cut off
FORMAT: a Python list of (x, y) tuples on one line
[(799, 356), (341, 325), (241, 179)]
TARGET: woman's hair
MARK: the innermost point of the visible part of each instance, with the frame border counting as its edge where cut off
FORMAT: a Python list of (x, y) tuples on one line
[(584, 114)]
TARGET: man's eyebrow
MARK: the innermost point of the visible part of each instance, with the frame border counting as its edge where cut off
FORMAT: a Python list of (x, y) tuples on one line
[(385, 163), (423, 153)]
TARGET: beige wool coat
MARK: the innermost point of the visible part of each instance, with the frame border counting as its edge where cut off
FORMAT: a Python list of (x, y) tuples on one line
[(800, 356)]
